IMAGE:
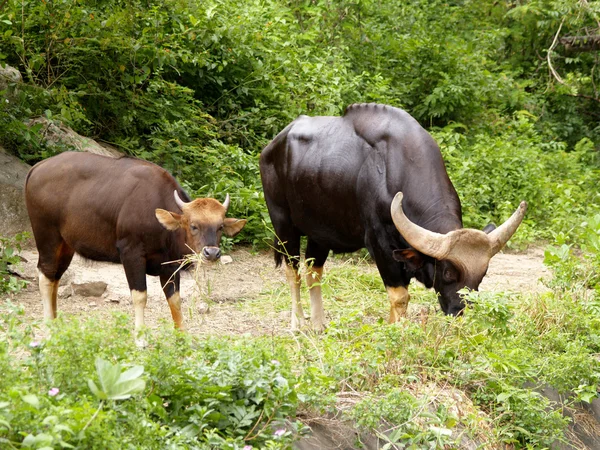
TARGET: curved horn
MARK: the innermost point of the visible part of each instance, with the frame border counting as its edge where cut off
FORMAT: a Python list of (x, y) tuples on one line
[(428, 242), (178, 200), (500, 236), (226, 202)]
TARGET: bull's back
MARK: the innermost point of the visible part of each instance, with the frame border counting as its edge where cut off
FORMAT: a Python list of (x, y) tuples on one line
[(336, 176), (91, 201)]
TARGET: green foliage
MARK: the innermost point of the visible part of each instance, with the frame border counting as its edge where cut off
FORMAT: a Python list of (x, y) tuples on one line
[(115, 384), (515, 163), (200, 87), (200, 393), (414, 422), (9, 255), (576, 269)]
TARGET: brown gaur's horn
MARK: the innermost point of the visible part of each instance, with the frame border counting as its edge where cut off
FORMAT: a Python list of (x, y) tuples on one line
[(500, 236), (428, 242), (178, 200), (226, 202)]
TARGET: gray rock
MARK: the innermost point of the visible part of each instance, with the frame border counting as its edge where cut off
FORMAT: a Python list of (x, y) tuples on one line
[(203, 308), (9, 76), (91, 289), (55, 133), (226, 259), (13, 213), (64, 292)]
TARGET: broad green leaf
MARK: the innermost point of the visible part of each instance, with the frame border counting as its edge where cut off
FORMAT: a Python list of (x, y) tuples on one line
[(97, 392), (32, 400), (131, 374), (107, 373), (115, 385), (121, 391), (503, 396)]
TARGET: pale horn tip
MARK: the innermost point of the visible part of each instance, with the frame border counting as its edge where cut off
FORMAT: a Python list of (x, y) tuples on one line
[(397, 202)]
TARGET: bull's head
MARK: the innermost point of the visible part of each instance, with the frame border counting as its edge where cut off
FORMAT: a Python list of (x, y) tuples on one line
[(460, 257), (203, 221)]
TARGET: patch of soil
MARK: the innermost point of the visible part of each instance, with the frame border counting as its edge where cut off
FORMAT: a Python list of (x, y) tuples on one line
[(222, 287)]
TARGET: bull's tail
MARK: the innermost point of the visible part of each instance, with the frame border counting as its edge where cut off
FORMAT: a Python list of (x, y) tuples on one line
[(278, 253), (271, 186)]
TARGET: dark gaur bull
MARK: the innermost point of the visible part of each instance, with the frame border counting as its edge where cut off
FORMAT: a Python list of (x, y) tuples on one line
[(121, 210), (333, 180)]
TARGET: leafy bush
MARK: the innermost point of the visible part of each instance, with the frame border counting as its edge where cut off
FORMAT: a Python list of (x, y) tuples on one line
[(193, 394), (9, 255), (513, 164)]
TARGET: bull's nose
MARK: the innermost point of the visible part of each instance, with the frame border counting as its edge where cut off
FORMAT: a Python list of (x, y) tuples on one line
[(211, 253)]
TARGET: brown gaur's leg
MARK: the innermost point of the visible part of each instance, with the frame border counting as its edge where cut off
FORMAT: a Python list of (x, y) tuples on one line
[(54, 259), (294, 281), (134, 264), (169, 281), (287, 250), (398, 297)]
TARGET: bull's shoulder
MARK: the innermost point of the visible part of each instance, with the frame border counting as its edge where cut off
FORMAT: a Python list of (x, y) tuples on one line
[(384, 115), (377, 123)]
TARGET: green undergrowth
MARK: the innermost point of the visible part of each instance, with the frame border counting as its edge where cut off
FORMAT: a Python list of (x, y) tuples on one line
[(427, 382), (191, 393)]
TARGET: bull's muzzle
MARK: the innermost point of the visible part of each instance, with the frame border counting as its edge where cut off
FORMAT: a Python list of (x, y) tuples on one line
[(211, 253)]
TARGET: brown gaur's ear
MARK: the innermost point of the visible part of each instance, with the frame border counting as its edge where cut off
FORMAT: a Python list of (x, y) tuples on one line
[(232, 226), (170, 220), (412, 258)]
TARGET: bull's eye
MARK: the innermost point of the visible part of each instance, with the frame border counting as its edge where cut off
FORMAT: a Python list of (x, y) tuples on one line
[(221, 227), (449, 275), (194, 228)]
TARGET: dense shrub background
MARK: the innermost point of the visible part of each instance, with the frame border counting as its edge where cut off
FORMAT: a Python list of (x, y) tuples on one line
[(201, 87)]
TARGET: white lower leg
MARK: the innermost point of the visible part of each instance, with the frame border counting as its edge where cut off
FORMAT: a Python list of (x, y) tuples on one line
[(139, 299), (317, 313), (293, 279), (49, 293), (175, 306), (398, 297)]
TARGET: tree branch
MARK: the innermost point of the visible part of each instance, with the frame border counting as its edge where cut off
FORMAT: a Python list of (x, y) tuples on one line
[(581, 43), (549, 55)]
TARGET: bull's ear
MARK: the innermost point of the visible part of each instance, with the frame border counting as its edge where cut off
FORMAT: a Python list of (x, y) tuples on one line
[(412, 258), (170, 220), (489, 228), (231, 226)]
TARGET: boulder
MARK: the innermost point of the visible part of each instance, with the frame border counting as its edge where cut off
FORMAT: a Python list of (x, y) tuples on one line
[(55, 133), (13, 213), (90, 289), (9, 77)]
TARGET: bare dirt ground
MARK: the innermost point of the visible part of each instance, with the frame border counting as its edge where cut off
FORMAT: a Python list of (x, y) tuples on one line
[(224, 287)]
